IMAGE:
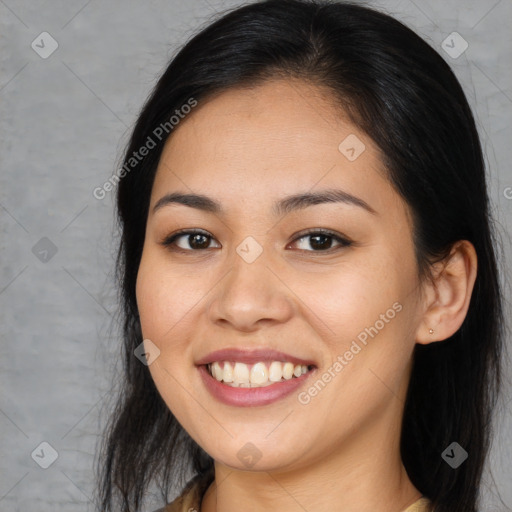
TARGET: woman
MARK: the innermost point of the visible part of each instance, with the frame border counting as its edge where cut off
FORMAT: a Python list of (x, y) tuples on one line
[(307, 264)]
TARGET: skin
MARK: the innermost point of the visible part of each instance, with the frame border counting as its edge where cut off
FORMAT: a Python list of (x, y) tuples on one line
[(247, 148)]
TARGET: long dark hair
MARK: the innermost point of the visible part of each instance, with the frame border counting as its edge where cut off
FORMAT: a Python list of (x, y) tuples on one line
[(400, 92)]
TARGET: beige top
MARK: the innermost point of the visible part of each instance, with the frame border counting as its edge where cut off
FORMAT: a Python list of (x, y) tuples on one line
[(190, 499)]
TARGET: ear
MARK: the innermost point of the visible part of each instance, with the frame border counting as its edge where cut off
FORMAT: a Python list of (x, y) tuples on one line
[(448, 294)]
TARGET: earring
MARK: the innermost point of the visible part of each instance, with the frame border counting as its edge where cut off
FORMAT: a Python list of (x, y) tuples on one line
[(431, 331)]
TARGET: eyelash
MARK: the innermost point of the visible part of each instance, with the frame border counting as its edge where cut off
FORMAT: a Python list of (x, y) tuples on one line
[(344, 242)]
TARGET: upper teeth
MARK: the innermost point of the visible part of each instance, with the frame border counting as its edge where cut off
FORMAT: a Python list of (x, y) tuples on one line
[(258, 375)]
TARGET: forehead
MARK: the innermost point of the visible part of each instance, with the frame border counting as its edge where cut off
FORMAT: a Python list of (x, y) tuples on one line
[(255, 145), (284, 117)]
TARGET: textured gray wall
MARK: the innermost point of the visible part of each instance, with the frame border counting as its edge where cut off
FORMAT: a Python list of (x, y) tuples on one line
[(64, 119)]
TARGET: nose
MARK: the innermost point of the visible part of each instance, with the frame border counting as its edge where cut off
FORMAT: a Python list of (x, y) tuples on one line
[(250, 295)]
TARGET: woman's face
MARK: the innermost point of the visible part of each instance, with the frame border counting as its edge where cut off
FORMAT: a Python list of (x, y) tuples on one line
[(346, 304)]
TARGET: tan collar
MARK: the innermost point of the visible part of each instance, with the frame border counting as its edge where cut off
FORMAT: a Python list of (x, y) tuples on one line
[(192, 494)]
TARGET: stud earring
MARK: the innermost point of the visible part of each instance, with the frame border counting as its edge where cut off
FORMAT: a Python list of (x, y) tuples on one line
[(431, 331)]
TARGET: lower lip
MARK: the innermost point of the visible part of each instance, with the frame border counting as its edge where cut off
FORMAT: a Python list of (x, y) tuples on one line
[(251, 397)]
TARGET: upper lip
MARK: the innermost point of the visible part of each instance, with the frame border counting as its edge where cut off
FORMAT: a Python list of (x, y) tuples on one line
[(251, 356)]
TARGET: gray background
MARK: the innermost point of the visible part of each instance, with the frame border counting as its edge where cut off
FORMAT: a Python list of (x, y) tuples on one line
[(64, 121)]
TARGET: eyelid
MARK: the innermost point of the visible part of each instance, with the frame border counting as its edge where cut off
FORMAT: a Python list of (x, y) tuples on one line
[(342, 240)]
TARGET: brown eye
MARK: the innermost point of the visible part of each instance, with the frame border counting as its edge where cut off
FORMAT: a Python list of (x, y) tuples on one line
[(322, 240), (193, 240)]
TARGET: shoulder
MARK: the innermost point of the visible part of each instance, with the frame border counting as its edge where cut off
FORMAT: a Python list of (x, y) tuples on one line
[(190, 498), (421, 505)]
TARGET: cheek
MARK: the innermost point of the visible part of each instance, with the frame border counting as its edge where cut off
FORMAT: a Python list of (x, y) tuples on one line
[(163, 298), (352, 297), (150, 301), (365, 311), (163, 311)]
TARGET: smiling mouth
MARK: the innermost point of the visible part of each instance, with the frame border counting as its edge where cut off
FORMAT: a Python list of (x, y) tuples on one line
[(261, 374)]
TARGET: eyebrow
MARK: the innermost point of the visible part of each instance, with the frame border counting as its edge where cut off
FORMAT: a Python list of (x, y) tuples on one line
[(280, 207)]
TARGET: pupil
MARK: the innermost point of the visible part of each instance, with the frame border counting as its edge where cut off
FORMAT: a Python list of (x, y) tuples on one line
[(195, 241), (195, 238), (316, 237)]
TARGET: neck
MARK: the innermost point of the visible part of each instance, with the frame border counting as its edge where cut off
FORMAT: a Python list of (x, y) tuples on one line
[(363, 474)]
